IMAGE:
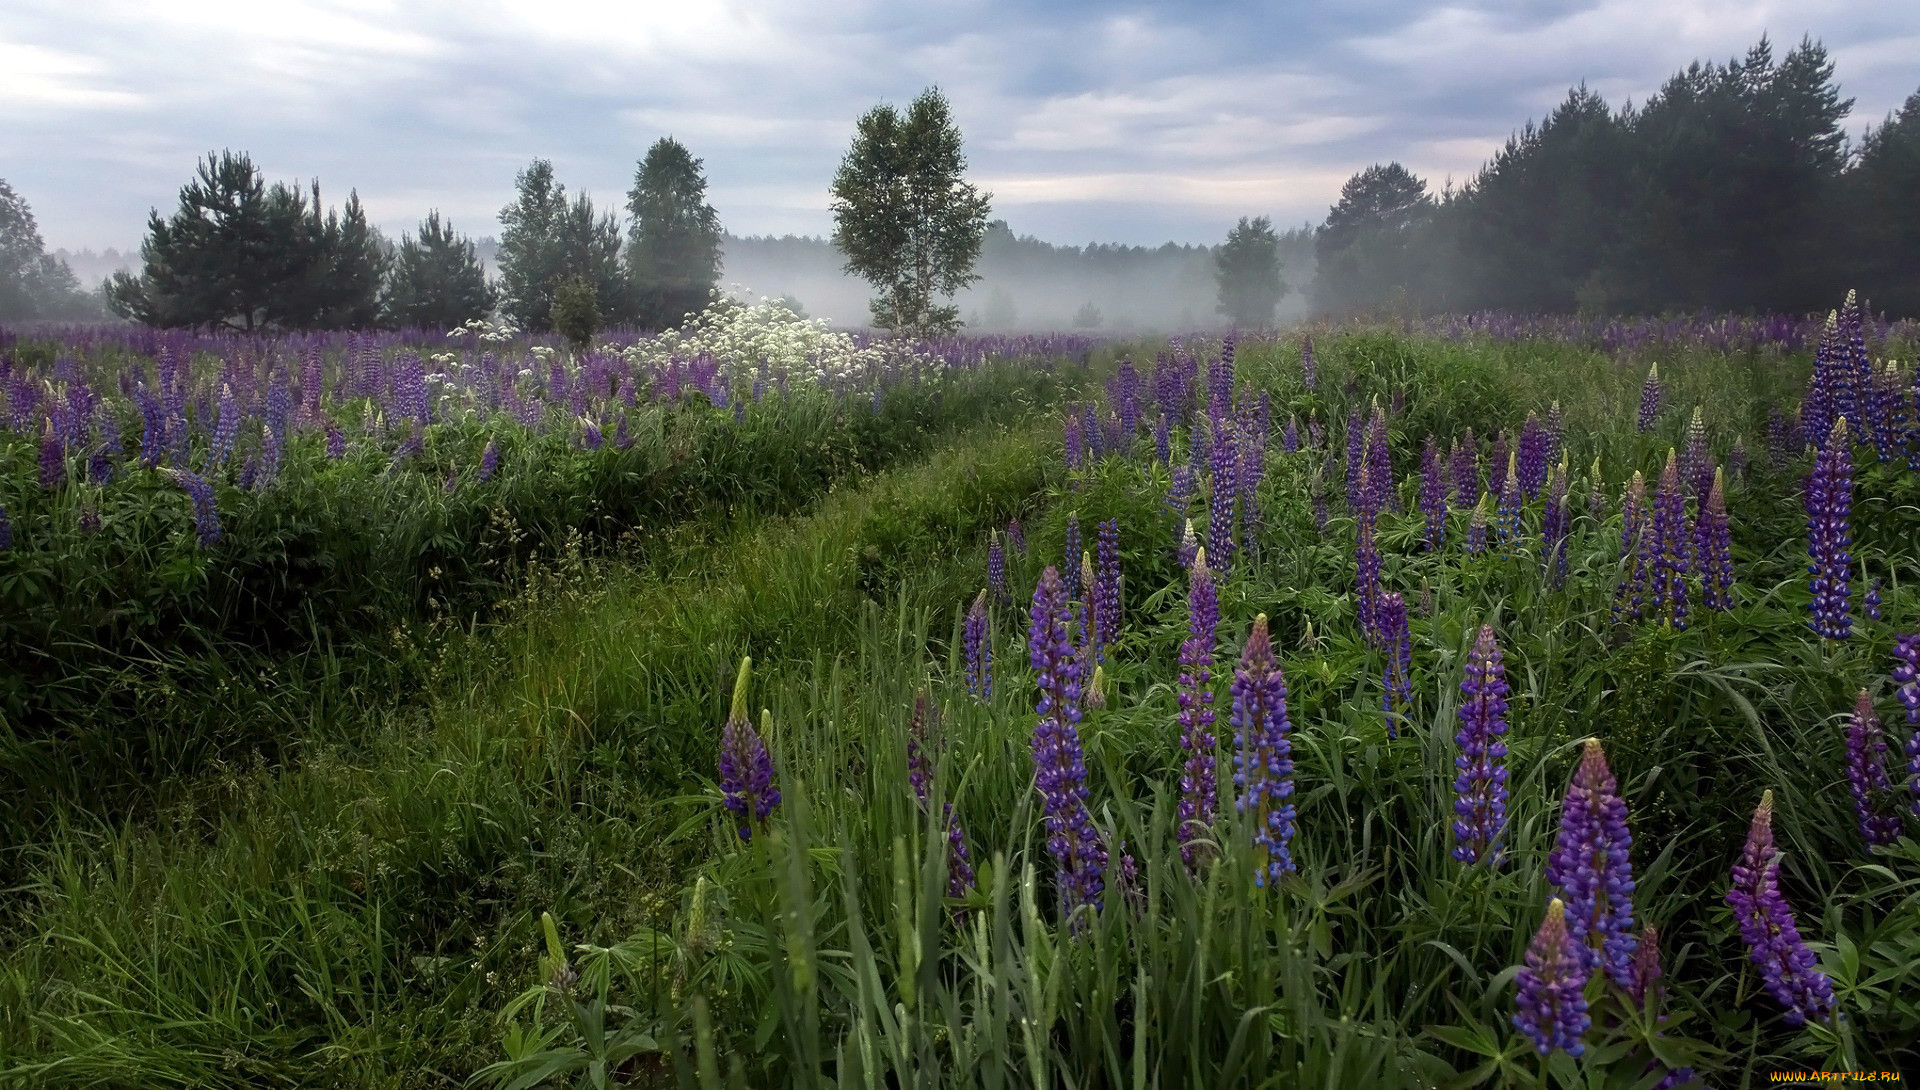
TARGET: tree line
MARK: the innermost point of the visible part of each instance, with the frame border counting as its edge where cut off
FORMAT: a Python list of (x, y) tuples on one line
[(1733, 188)]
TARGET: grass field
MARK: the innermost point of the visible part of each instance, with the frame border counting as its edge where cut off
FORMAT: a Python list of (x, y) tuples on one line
[(487, 839)]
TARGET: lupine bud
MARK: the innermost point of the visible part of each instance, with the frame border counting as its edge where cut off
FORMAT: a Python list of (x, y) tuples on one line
[(1477, 528), (1060, 769), (1309, 367), (1396, 688), (1596, 492), (1714, 546), (1017, 536), (1198, 790), (1263, 758), (1650, 395), (1829, 534), (1480, 809), (997, 571), (1509, 525), (1867, 774), (1591, 865), (746, 769), (1787, 967), (1554, 524), (976, 641), (1552, 1004), (1643, 983)]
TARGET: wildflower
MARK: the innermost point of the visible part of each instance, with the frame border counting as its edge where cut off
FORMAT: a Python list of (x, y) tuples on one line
[(1650, 395), (1290, 438), (1553, 526), (1552, 1005), (746, 769), (206, 517), (978, 649), (1590, 863), (1532, 456), (1867, 774), (1356, 460), (1224, 463), (1263, 761), (1906, 679), (1630, 596), (1871, 603), (1379, 467), (53, 458), (336, 441), (1106, 586), (1396, 689), (1696, 462), (1071, 572), (1509, 526), (1367, 579), (1162, 439), (1787, 967), (1433, 495), (997, 571), (1480, 810), (1197, 785), (1060, 769), (1309, 367), (1477, 528), (1643, 983), (1672, 541), (1596, 491), (1466, 469), (1829, 498), (1713, 544), (1017, 536)]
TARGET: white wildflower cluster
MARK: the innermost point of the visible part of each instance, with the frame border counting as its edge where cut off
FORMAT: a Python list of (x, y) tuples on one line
[(481, 330), (795, 348)]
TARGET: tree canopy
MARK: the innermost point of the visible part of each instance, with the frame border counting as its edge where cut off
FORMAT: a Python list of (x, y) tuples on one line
[(437, 279), (34, 284), (673, 248), (1247, 270)]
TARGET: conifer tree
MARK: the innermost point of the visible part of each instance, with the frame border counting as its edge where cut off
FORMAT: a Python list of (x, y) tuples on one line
[(673, 250)]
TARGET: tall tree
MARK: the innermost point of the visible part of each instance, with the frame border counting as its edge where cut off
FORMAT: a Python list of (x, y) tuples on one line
[(1247, 270), (905, 217), (673, 250), (1883, 211), (437, 279), (545, 238), (1364, 245), (239, 253), (33, 283)]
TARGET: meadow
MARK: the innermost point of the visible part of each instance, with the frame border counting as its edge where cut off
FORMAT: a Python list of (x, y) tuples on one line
[(1350, 706)]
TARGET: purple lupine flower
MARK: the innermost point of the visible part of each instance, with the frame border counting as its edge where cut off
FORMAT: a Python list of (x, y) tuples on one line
[(206, 516), (1635, 543), (1780, 444), (53, 458), (1223, 461), (1189, 545), (919, 768), (1091, 432), (1396, 687), (1366, 579), (1477, 528), (1906, 679), (1596, 491), (1378, 472), (108, 448), (1498, 458), (1250, 467), (1163, 439), (1290, 437), (1089, 623), (977, 643), (1829, 498), (1590, 863), (1871, 603), (1263, 757), (1867, 774), (1317, 494), (1060, 768), (1554, 525), (1737, 458), (1551, 1007), (997, 571), (746, 768), (1433, 495), (1556, 432), (1106, 587), (1017, 536), (1509, 526), (1075, 442), (1180, 494), (1650, 395), (1316, 432), (591, 437), (1696, 461), (1198, 790), (1356, 459), (1672, 544), (1071, 570), (336, 441), (1309, 367), (1480, 810), (1466, 470), (225, 431), (1787, 967), (1713, 544), (1532, 456)]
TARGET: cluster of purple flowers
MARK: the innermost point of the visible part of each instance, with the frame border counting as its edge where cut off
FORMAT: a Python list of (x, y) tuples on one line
[(1104, 602), (1480, 809), (1787, 967), (1552, 1002), (746, 768), (1829, 499), (1672, 544), (1060, 768), (1906, 680), (1590, 863), (1263, 757), (1433, 495), (977, 648), (1198, 790), (1396, 686), (1867, 775)]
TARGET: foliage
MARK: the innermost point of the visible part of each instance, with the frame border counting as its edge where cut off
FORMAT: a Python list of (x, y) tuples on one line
[(437, 280), (33, 283), (545, 239), (1247, 270), (237, 253), (904, 216), (576, 311), (673, 250)]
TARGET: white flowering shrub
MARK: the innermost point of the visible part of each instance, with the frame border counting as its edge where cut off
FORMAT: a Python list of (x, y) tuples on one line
[(740, 336)]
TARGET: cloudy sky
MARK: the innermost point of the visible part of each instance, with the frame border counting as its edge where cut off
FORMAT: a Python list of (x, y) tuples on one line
[(1087, 120)]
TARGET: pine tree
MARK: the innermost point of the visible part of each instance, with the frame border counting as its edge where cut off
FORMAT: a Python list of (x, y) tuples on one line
[(673, 252), (1365, 244), (1247, 271), (437, 282), (544, 238), (904, 216)]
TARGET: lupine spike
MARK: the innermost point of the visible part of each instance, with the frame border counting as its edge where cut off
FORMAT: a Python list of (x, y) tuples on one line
[(1433, 495), (746, 768), (1263, 758), (1650, 397), (1480, 809), (1829, 499), (1509, 525), (1906, 680), (1867, 774), (997, 570), (1714, 547), (1060, 769), (1591, 864), (978, 648), (1106, 585), (1477, 528), (1396, 688), (1672, 542), (1367, 579), (1198, 787), (1071, 573), (1787, 967), (1552, 1005)]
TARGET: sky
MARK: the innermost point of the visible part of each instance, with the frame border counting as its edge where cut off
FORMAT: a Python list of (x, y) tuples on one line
[(1087, 121)]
